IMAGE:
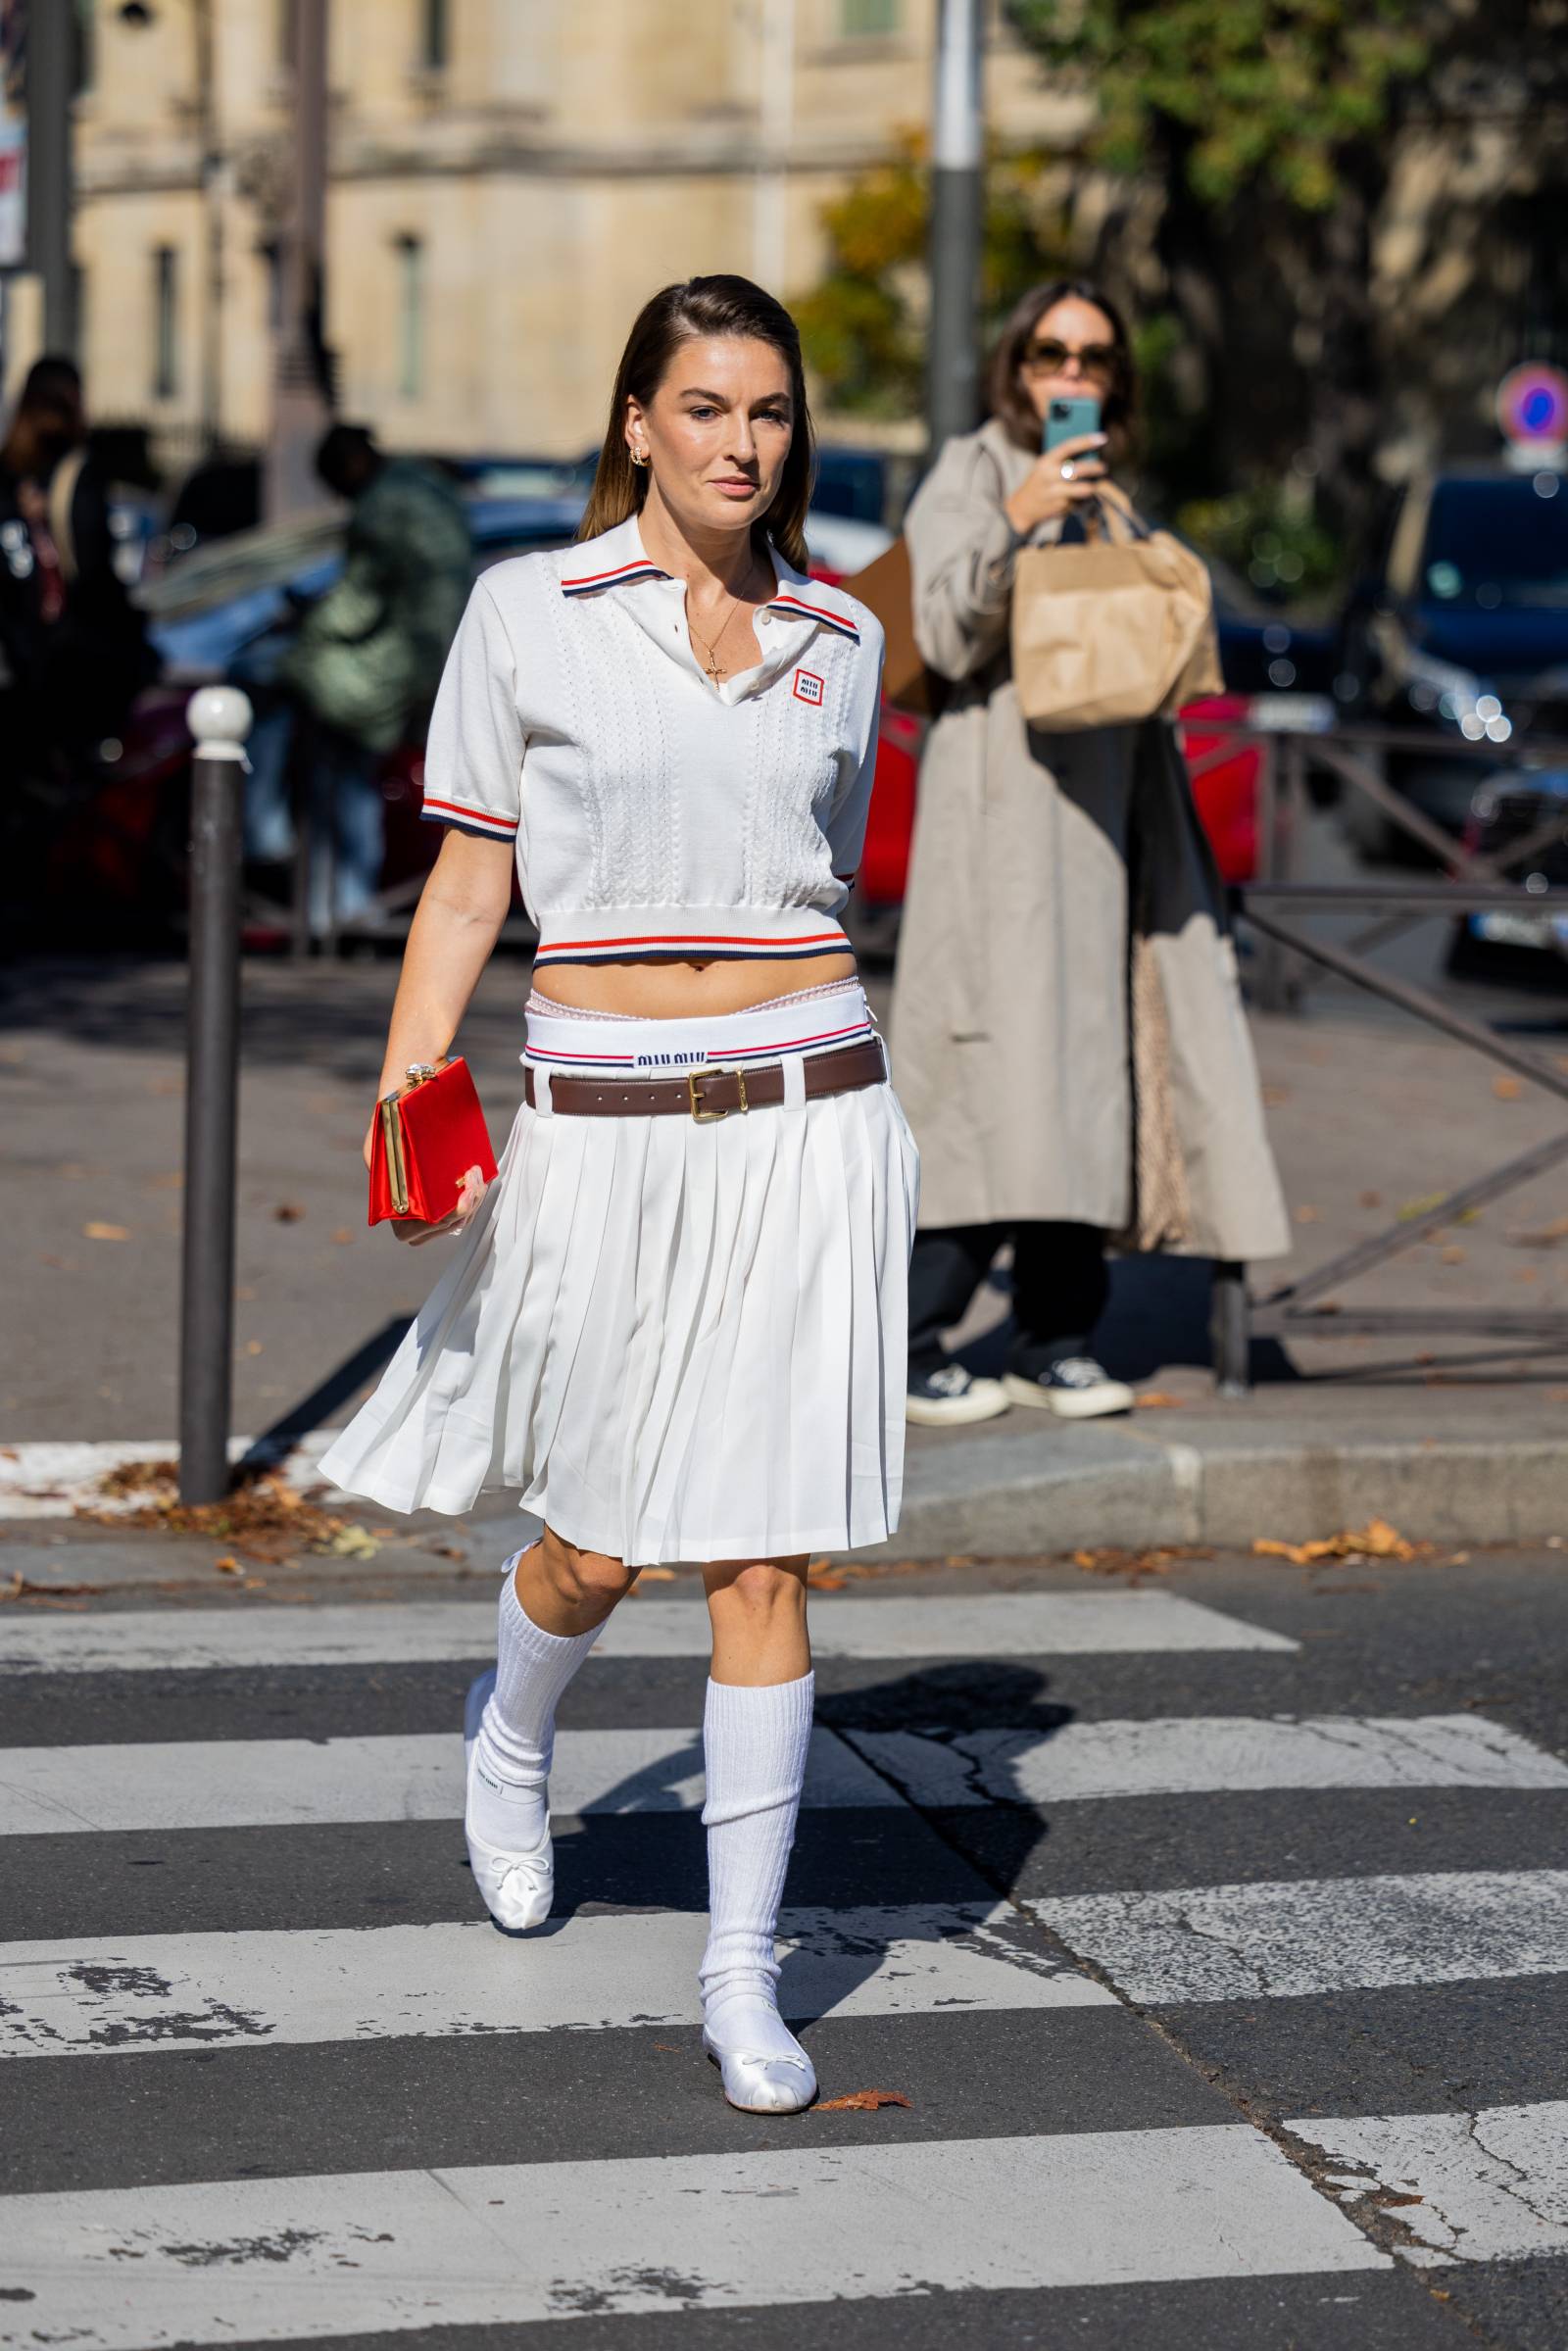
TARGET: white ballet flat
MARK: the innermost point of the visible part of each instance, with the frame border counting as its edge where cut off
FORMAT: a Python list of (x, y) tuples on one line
[(518, 1889), (764, 2085)]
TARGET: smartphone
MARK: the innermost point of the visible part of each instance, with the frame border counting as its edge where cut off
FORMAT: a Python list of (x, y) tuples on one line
[(1069, 420)]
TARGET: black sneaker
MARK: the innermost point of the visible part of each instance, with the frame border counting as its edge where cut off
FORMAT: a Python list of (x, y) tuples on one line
[(947, 1398), (1075, 1388)]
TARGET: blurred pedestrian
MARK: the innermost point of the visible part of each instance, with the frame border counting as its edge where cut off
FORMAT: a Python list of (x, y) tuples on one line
[(1067, 1090), (365, 666), (73, 650)]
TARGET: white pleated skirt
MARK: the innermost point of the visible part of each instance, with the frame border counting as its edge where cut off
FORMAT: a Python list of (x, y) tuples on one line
[(674, 1341)]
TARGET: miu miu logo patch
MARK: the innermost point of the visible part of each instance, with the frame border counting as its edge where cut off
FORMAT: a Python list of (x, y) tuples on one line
[(808, 686)]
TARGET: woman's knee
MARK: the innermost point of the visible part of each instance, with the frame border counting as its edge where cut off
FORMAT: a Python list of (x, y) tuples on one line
[(587, 1579), (760, 1590)]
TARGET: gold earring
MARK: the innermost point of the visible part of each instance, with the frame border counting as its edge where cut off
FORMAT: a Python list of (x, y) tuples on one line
[(639, 457)]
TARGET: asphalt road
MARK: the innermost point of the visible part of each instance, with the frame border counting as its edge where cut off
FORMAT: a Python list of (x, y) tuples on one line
[(1213, 1926)]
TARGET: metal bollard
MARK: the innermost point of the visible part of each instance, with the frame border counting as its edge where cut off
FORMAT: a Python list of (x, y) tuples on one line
[(219, 718)]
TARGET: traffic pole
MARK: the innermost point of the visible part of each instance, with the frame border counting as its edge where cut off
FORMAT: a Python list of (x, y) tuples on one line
[(219, 720), (958, 185)]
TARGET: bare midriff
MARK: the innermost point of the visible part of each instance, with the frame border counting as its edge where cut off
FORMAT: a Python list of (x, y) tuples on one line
[(669, 990)]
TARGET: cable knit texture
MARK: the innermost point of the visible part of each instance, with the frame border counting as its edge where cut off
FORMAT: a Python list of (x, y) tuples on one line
[(509, 1802), (754, 1744), (575, 720)]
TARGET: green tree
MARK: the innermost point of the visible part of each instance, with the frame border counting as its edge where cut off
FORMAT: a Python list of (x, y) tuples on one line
[(862, 325), (1266, 126)]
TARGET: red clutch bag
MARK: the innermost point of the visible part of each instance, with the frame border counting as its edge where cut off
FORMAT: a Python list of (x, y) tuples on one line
[(427, 1136)]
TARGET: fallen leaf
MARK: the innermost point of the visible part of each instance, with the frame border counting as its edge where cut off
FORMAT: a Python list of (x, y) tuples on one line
[(863, 2102), (1154, 1399), (342, 1234), (1506, 1090), (253, 1346), (1274, 1095), (61, 1264), (656, 1575), (105, 1232), (1371, 1200), (244, 1295), (175, 1181), (667, 2048), (72, 1171), (1305, 1215), (1453, 1255), (1423, 1206), (287, 1211), (824, 1583), (352, 1543), (1547, 1237), (1376, 1540), (228, 1565)]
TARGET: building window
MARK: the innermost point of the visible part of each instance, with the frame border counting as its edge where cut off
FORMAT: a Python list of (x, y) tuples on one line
[(435, 37), (410, 318), (166, 296), (862, 20)]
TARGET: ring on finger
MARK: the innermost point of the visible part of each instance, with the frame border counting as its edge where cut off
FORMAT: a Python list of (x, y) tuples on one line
[(1069, 471)]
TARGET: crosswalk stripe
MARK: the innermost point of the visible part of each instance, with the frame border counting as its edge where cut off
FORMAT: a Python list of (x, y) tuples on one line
[(1006, 1624), (1298, 1938), (185, 1992), (1485, 2186), (1189, 1755), (260, 2260), (259, 1782)]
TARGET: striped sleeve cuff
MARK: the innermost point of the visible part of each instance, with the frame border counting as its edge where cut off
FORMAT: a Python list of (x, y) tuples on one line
[(462, 818)]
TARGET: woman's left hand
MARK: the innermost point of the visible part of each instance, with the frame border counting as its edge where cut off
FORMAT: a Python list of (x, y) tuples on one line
[(470, 1194)]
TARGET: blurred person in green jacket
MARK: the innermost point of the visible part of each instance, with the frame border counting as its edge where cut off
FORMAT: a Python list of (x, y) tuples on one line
[(365, 665)]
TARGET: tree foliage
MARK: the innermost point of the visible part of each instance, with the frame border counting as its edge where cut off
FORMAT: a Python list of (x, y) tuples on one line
[(862, 325), (1267, 94)]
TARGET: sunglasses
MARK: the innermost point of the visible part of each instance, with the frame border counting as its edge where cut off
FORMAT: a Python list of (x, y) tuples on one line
[(1047, 357)]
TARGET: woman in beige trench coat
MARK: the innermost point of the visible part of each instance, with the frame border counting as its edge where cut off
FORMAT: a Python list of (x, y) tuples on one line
[(1071, 1047)]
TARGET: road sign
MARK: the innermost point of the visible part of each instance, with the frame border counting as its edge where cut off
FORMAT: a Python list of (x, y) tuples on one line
[(1533, 404)]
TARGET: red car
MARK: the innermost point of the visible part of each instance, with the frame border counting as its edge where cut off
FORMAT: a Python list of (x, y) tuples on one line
[(1224, 776)]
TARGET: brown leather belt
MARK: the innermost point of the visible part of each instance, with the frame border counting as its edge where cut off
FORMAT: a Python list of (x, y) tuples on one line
[(706, 1094)]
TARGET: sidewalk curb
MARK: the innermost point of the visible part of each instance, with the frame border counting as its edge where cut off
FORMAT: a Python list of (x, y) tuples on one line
[(1008, 1491), (1001, 1492)]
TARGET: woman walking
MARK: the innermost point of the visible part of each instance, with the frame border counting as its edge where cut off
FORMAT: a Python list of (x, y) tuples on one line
[(675, 1322), (1072, 1050)]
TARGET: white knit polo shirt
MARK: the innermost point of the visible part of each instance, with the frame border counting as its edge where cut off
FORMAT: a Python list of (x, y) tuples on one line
[(653, 814)]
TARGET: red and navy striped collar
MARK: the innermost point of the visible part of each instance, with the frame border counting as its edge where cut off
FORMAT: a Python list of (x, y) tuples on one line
[(617, 559), (805, 601)]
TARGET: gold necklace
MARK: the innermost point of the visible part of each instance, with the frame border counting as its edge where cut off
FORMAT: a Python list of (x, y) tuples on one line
[(712, 665)]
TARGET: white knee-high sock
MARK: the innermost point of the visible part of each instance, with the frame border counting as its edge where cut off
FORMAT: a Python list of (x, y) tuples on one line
[(754, 1743), (509, 1803)]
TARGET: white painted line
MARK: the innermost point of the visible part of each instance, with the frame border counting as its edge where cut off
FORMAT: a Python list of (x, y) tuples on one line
[(1487, 2186), (257, 1783), (260, 2260), (1296, 1938), (157, 1993), (1193, 1754), (1004, 1624)]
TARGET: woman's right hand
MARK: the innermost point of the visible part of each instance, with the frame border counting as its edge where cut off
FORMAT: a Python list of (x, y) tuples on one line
[(1046, 494)]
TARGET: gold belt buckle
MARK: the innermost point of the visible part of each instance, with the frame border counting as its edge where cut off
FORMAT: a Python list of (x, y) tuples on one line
[(710, 1117)]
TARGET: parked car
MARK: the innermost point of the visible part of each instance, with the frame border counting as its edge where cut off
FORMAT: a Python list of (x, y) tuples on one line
[(1505, 810), (1461, 631)]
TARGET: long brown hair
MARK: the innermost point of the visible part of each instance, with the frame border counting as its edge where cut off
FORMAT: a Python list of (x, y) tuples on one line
[(1004, 384), (681, 314)]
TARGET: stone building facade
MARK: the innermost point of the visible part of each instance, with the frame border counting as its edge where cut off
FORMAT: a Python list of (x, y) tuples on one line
[(509, 180)]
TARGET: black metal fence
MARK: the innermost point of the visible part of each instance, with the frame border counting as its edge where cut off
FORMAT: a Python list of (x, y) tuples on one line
[(1289, 960)]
